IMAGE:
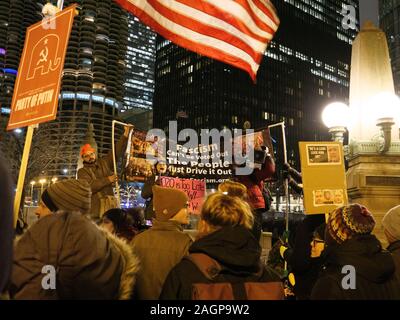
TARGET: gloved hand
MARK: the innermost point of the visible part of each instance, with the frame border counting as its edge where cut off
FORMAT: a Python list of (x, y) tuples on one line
[(292, 279), (282, 250)]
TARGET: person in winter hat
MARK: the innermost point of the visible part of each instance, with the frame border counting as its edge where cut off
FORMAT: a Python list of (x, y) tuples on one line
[(89, 263), (161, 247), (99, 174), (391, 227), (225, 255), (350, 245), (68, 195)]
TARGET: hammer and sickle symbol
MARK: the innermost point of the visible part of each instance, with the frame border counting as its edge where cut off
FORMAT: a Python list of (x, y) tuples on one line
[(43, 55)]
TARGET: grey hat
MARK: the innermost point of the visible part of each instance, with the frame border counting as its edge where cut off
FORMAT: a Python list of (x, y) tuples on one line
[(391, 222), (69, 195)]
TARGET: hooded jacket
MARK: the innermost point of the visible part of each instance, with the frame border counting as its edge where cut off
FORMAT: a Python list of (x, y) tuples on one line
[(90, 263), (234, 248), (374, 270), (97, 174), (255, 183)]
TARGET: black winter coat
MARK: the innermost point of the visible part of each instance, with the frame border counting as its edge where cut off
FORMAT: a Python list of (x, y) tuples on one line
[(374, 269), (235, 248), (394, 249)]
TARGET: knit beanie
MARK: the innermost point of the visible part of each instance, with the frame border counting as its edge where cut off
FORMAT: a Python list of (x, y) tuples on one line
[(167, 202), (68, 195), (348, 221), (391, 222)]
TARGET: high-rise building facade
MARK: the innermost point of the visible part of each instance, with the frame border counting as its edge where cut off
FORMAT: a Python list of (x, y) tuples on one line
[(389, 20), (15, 17), (92, 88), (140, 59), (306, 66)]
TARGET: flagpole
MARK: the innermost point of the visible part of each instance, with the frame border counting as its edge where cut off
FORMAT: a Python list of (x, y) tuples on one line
[(286, 181), (114, 158)]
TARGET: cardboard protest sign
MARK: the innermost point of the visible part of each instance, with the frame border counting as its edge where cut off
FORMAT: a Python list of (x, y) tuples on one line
[(324, 177), (37, 86), (138, 167), (194, 188)]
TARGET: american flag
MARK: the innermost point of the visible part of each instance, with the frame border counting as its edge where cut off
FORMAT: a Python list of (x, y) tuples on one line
[(236, 32)]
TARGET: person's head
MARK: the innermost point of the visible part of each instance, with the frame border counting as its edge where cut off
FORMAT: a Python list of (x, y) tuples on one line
[(119, 222), (347, 222), (220, 210), (68, 195), (170, 204), (161, 167), (338, 197), (333, 153), (328, 195), (391, 224), (233, 189), (318, 242), (138, 217), (318, 197), (88, 154)]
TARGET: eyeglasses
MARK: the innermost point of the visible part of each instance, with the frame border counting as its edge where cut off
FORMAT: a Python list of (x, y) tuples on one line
[(88, 155)]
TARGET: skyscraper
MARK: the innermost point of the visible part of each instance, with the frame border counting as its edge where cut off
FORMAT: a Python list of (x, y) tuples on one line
[(389, 17), (15, 17), (140, 58), (92, 89), (305, 67)]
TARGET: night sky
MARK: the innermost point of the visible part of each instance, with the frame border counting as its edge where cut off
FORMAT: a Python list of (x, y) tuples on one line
[(369, 11)]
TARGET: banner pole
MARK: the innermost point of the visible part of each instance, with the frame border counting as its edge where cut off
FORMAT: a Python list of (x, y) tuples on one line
[(22, 172), (114, 158), (286, 185), (115, 163), (60, 4)]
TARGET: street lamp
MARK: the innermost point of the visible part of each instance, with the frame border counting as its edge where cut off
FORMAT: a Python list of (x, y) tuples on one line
[(336, 117), (42, 182), (32, 185), (385, 109), (54, 180)]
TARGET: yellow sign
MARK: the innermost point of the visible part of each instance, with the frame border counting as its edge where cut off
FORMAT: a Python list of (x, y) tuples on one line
[(324, 177)]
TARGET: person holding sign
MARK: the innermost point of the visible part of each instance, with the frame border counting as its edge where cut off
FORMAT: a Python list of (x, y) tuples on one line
[(258, 195), (147, 192), (99, 174)]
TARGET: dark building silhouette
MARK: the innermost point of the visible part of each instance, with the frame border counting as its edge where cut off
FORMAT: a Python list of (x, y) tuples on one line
[(389, 20), (306, 66)]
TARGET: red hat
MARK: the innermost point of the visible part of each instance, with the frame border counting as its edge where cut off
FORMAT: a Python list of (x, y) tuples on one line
[(86, 148)]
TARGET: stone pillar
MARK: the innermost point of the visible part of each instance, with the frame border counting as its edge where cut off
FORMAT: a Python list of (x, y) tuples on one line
[(373, 177), (374, 181)]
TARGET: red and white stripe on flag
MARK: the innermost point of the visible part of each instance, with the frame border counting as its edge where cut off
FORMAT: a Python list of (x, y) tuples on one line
[(236, 32)]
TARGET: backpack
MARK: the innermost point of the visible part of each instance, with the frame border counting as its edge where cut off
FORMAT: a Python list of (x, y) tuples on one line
[(224, 285)]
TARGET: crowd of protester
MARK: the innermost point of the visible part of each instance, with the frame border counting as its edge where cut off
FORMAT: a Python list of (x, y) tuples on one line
[(116, 255)]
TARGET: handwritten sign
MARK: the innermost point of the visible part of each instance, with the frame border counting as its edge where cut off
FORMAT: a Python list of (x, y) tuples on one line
[(194, 188)]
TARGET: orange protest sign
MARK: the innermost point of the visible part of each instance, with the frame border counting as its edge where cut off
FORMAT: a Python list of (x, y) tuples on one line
[(37, 86)]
